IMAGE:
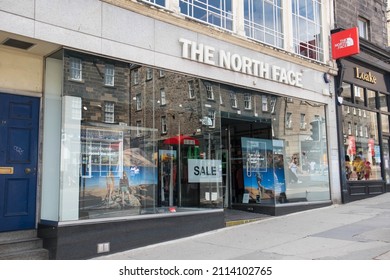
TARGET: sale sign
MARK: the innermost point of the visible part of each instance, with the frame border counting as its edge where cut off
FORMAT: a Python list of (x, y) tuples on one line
[(345, 43)]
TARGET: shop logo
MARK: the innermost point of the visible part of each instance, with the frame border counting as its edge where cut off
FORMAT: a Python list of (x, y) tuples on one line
[(365, 76), (345, 43)]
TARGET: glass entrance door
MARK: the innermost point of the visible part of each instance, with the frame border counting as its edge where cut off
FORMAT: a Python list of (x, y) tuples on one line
[(386, 158)]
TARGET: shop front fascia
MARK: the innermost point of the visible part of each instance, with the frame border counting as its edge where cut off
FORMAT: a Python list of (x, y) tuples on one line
[(363, 110)]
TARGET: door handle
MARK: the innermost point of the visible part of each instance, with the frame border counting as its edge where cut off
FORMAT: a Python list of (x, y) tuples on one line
[(27, 170), (6, 170)]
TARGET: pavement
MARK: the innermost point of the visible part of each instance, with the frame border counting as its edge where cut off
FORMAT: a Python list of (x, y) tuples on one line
[(358, 230)]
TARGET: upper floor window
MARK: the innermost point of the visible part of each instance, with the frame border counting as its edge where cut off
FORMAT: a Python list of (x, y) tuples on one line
[(307, 29), (191, 90), (75, 69), (302, 123), (247, 101), (135, 77), (210, 92), (109, 75), (161, 73), (109, 116), (214, 12), (264, 103), (163, 100), (138, 124), (233, 99), (263, 20), (156, 2), (149, 73), (138, 101), (363, 25)]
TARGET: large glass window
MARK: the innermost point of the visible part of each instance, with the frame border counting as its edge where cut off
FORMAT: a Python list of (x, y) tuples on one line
[(307, 28), (264, 21), (124, 154), (215, 12), (361, 144)]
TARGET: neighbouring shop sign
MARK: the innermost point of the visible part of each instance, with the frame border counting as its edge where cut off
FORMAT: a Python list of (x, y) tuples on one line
[(204, 171), (238, 63), (345, 43)]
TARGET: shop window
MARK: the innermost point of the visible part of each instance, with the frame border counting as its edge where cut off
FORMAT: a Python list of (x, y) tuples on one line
[(76, 73), (109, 75), (217, 13), (346, 92), (149, 73), (288, 120), (359, 95), (138, 101), (135, 74), (307, 29), (247, 101), (191, 89), (163, 100), (371, 99), (385, 123), (263, 21), (233, 99), (383, 102), (363, 26), (109, 112), (164, 126), (210, 92)]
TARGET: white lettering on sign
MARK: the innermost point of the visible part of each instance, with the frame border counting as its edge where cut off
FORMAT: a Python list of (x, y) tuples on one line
[(235, 62), (204, 171)]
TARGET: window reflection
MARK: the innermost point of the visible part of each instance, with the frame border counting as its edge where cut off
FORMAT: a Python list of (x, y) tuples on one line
[(178, 142)]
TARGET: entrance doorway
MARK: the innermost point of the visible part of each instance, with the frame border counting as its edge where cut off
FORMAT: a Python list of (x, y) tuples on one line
[(19, 119), (236, 130)]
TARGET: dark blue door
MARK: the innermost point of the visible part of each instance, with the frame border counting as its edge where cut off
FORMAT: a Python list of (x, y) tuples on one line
[(19, 118)]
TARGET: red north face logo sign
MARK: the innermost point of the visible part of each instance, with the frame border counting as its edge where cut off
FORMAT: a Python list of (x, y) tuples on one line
[(345, 43)]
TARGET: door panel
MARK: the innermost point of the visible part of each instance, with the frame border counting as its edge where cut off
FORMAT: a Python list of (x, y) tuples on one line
[(19, 118)]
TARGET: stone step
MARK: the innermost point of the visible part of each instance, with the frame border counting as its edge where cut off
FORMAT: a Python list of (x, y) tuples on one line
[(22, 245), (35, 254)]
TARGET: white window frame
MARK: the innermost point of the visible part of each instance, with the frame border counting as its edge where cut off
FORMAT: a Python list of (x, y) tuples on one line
[(149, 73), (233, 99), (109, 75), (363, 27), (211, 115), (264, 103), (210, 92), (138, 101), (163, 99), (191, 90), (247, 101), (109, 112), (135, 77), (76, 69)]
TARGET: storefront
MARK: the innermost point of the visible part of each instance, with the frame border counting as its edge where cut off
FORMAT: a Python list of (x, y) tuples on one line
[(363, 109), (144, 139)]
